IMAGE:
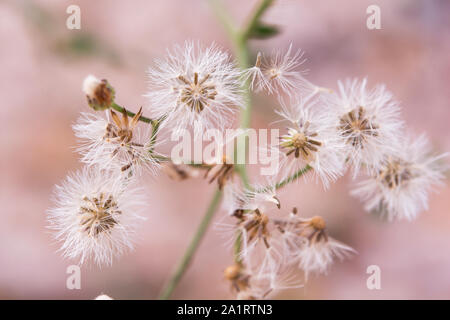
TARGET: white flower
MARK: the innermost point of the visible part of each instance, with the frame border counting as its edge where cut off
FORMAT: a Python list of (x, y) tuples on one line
[(277, 73), (306, 241), (94, 215), (369, 122), (401, 185), (194, 84), (311, 140), (116, 144)]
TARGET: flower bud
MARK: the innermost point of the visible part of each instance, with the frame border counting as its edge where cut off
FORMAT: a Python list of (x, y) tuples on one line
[(99, 93)]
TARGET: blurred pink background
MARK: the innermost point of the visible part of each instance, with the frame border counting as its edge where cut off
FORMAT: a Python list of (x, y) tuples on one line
[(43, 64)]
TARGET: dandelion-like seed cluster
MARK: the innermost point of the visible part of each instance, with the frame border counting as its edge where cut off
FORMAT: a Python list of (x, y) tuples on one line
[(277, 245), (323, 134), (95, 215), (194, 84)]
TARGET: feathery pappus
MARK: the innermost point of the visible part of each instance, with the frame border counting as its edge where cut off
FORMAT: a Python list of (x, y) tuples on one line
[(312, 139), (369, 122), (194, 84), (306, 241), (400, 187), (279, 73), (118, 143)]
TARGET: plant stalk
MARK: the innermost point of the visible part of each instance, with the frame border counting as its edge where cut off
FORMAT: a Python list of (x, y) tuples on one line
[(120, 109), (189, 254), (240, 43)]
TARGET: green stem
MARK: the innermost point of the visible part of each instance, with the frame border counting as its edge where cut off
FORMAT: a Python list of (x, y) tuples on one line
[(188, 255), (286, 181), (260, 8), (120, 109), (155, 128), (294, 177), (242, 55), (238, 242), (237, 247), (240, 44), (241, 48)]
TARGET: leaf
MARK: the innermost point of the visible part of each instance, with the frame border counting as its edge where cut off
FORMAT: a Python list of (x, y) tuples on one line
[(264, 31)]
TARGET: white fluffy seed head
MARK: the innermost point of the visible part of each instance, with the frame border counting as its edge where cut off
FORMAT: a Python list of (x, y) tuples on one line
[(311, 140), (275, 245), (251, 213), (194, 84), (400, 187), (368, 121), (115, 144), (94, 215), (305, 242), (277, 74)]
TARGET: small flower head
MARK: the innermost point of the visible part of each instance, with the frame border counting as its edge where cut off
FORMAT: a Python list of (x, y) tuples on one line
[(311, 140), (117, 144), (253, 212), (368, 121), (238, 277), (275, 245), (399, 189), (94, 215), (279, 73), (194, 84), (99, 93), (307, 241)]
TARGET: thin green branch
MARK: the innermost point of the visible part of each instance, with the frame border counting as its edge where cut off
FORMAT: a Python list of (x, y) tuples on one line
[(286, 181), (294, 177), (243, 60), (188, 255), (155, 129), (239, 40), (223, 17), (120, 109), (240, 44), (259, 10)]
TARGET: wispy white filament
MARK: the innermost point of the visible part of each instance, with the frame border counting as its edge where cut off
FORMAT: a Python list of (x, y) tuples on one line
[(94, 215)]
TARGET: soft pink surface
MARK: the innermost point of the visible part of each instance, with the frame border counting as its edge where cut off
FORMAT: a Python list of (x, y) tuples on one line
[(41, 97)]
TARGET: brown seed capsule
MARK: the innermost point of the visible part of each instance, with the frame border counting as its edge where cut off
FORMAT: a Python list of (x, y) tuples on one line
[(99, 93), (232, 272), (317, 223)]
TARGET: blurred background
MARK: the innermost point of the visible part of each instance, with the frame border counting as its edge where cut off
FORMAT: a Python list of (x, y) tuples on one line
[(42, 67)]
